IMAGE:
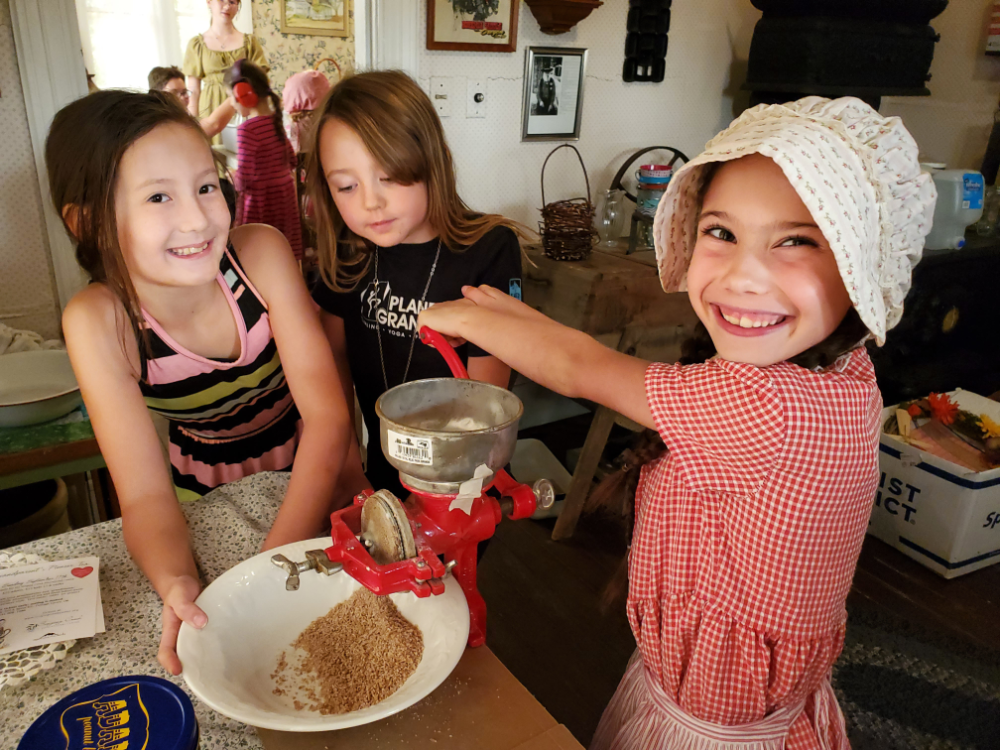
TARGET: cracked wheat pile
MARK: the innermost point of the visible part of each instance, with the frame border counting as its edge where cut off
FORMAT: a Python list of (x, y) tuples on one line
[(356, 655)]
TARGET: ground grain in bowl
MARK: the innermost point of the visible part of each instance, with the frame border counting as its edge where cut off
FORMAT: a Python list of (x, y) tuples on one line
[(356, 655)]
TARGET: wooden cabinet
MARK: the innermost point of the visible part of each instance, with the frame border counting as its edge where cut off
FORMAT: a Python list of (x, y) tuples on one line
[(604, 294)]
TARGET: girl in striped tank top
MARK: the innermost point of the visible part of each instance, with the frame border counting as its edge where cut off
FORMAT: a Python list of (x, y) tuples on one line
[(211, 329)]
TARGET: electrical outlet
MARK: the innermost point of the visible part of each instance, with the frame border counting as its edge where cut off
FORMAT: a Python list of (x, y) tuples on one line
[(475, 98), (440, 92)]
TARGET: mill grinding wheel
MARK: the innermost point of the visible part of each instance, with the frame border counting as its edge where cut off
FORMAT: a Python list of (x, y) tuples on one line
[(385, 529)]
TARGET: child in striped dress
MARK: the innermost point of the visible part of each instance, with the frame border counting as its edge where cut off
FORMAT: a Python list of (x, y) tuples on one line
[(210, 328), (794, 234), (265, 184)]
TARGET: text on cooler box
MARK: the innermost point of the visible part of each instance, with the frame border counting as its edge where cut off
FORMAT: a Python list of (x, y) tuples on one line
[(934, 510), (412, 450), (896, 496)]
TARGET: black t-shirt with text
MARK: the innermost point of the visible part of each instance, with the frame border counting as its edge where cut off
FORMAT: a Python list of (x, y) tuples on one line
[(389, 309)]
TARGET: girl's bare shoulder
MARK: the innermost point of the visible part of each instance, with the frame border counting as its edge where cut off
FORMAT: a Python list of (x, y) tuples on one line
[(94, 305), (259, 244), (265, 255), (95, 318)]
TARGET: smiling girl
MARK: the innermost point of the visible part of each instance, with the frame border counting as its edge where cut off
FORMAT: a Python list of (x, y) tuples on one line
[(394, 237), (794, 234), (212, 330)]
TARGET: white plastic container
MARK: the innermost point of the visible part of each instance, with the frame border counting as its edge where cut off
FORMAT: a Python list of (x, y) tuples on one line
[(943, 515), (959, 204)]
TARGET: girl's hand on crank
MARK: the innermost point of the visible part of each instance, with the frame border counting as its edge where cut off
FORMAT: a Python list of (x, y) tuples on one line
[(178, 607), (494, 300), (446, 318), (456, 319)]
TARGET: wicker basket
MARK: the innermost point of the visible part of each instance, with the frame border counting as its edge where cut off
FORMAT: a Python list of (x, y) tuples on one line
[(334, 63), (567, 227)]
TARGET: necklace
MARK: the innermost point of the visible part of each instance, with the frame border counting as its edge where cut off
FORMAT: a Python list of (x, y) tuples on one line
[(413, 337), (224, 44)]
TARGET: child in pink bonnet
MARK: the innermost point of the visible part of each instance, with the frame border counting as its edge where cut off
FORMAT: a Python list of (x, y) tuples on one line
[(303, 93)]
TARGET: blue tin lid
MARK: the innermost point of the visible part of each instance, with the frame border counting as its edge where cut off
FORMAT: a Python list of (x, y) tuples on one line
[(123, 713)]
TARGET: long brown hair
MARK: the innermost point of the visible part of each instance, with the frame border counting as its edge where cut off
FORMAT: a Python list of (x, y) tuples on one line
[(83, 150), (398, 125), (244, 71)]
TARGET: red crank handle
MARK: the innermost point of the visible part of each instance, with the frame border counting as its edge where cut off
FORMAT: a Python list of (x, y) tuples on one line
[(432, 338)]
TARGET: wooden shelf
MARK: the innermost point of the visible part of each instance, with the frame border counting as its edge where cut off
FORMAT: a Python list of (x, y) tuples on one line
[(559, 16)]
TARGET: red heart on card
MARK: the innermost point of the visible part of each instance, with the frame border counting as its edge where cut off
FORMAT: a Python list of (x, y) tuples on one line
[(82, 572)]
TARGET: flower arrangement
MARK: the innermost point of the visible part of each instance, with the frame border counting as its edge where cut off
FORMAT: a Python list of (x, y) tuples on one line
[(937, 425)]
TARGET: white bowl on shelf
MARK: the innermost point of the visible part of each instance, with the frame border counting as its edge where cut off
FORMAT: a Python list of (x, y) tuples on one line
[(252, 619), (36, 386)]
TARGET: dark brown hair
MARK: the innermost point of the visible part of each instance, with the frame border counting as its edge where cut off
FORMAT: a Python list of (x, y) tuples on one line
[(160, 77), (398, 125), (246, 72), (83, 150)]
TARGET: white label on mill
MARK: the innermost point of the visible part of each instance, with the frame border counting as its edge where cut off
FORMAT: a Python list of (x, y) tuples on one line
[(411, 449)]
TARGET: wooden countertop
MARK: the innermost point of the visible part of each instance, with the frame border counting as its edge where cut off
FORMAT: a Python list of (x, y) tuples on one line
[(481, 705)]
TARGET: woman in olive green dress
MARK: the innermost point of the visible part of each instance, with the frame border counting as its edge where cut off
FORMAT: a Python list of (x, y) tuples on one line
[(210, 54)]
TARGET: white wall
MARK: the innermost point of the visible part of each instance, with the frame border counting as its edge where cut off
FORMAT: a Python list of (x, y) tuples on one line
[(706, 64), (953, 124), (27, 297)]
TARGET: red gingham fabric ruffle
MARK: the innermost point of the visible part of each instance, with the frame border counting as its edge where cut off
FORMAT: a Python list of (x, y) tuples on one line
[(748, 531)]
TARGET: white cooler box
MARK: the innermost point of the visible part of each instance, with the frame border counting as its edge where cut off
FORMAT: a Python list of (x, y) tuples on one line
[(937, 512)]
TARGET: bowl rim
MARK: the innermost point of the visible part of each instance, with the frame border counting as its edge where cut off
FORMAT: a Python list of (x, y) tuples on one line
[(4, 404), (35, 353), (442, 433), (253, 719)]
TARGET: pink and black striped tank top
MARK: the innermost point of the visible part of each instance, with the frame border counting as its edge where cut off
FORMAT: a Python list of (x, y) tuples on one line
[(228, 419)]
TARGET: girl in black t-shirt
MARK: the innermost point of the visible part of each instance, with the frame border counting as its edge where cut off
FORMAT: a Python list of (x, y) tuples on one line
[(394, 237)]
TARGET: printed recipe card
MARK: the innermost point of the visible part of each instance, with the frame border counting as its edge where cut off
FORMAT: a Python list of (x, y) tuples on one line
[(49, 602)]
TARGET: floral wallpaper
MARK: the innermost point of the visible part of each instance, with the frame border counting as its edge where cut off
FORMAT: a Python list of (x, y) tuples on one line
[(288, 54)]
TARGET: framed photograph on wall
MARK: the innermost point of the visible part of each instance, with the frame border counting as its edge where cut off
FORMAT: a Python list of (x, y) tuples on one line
[(553, 93), (472, 25), (316, 17)]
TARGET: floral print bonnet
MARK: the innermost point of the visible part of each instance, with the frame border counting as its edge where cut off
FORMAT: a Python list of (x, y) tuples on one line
[(856, 171)]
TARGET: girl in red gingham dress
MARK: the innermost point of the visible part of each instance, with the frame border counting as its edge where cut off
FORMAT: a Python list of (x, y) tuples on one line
[(265, 184), (794, 235)]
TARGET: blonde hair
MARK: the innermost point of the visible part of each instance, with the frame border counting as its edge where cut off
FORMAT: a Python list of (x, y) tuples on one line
[(398, 125)]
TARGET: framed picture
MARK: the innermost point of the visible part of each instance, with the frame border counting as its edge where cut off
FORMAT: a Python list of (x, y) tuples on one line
[(553, 93), (472, 25), (316, 17)]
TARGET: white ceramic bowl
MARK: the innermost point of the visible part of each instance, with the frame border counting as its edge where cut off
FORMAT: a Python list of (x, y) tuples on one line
[(252, 619), (36, 387)]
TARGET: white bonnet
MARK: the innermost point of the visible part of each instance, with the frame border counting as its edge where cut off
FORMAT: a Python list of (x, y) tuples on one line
[(857, 173)]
